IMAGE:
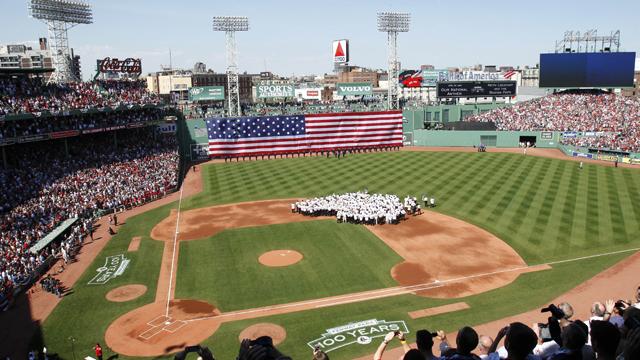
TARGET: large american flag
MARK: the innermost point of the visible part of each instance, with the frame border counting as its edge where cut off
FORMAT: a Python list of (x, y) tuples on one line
[(298, 133)]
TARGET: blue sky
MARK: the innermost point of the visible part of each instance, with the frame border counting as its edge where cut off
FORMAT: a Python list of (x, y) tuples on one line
[(294, 37)]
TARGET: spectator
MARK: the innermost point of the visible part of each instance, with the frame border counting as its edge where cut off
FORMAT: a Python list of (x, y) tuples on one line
[(605, 339), (611, 121), (424, 341), (520, 341), (49, 188), (466, 342)]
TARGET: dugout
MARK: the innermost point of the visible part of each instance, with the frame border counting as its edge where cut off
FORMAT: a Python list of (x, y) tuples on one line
[(528, 139)]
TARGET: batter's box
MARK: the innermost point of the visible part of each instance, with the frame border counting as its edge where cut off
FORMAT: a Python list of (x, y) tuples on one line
[(159, 321), (175, 326), (150, 333)]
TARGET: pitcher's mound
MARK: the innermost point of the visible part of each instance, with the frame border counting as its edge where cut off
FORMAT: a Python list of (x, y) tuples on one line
[(126, 293), (280, 258), (276, 332)]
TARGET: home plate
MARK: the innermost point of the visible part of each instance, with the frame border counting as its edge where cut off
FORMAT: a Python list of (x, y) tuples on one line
[(167, 322)]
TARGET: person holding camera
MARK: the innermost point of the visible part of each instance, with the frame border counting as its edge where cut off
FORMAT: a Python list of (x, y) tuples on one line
[(260, 349), (387, 339), (424, 341)]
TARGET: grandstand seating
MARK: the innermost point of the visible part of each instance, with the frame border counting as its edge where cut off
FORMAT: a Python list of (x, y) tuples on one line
[(609, 121), (49, 182)]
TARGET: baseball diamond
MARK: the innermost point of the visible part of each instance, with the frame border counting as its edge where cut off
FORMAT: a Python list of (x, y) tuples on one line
[(386, 209), (353, 272)]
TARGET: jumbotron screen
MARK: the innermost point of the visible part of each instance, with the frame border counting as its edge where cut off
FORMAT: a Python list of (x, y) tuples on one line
[(574, 70)]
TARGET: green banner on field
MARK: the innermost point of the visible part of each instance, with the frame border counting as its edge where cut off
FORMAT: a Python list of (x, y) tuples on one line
[(359, 88), (275, 91), (206, 93)]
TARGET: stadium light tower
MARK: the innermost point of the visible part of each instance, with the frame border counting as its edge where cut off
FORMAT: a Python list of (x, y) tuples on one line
[(393, 23), (60, 16), (231, 24)]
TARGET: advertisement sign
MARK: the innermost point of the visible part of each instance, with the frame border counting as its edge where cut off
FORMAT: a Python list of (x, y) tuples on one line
[(275, 91), (546, 135), (582, 155), (472, 75), (430, 78), (309, 93), (126, 66), (340, 51), (361, 333), (471, 89), (346, 89), (410, 78), (199, 152), (407, 139), (200, 93), (64, 134), (607, 157), (569, 134), (167, 128)]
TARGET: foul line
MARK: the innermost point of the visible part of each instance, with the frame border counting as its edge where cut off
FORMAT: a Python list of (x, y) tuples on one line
[(399, 290), (173, 255)]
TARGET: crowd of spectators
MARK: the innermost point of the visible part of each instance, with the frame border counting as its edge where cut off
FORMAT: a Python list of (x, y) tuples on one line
[(20, 95), (45, 187), (615, 119), (611, 333), (85, 122)]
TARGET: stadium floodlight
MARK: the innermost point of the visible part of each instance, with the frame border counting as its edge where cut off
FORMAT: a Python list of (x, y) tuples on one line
[(60, 16), (393, 23), (231, 24)]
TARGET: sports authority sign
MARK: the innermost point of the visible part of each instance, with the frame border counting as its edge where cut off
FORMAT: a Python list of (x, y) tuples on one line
[(361, 333), (275, 91), (346, 89), (340, 51), (113, 266)]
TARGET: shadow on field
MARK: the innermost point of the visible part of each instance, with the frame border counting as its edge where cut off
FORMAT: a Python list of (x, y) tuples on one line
[(17, 328)]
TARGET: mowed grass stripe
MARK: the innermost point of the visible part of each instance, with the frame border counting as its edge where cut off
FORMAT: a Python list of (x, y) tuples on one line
[(618, 228), (527, 201)]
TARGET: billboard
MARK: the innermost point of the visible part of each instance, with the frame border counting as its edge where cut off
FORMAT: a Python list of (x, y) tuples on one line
[(127, 66), (430, 78), (570, 70), (359, 88), (471, 89), (309, 93), (340, 51), (275, 91), (200, 93), (410, 78)]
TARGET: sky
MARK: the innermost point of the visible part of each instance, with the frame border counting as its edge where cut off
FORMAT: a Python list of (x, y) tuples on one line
[(291, 37)]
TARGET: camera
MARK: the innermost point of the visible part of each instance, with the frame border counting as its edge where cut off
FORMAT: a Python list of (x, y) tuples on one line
[(555, 311), (543, 333)]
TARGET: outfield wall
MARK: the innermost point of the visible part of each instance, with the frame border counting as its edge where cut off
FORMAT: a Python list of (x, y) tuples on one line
[(415, 118), (507, 139)]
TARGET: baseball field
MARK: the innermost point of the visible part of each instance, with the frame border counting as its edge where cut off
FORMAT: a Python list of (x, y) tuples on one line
[(509, 233)]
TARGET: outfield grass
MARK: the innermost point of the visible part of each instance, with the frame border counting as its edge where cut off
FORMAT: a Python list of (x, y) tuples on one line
[(546, 209), (542, 207)]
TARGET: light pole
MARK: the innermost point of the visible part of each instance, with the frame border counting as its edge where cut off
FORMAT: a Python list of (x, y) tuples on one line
[(393, 23), (230, 25), (60, 16)]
